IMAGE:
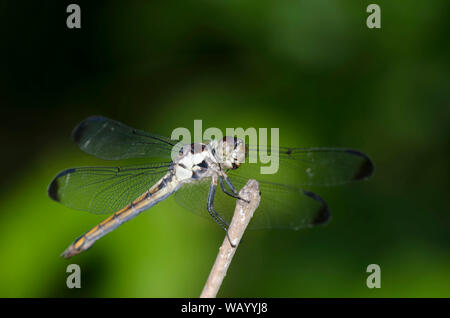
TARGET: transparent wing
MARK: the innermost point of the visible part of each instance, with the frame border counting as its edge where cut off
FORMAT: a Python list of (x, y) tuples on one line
[(111, 140), (104, 189), (281, 206), (310, 166)]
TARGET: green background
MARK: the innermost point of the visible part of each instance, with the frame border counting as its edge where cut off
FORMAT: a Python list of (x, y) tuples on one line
[(311, 68)]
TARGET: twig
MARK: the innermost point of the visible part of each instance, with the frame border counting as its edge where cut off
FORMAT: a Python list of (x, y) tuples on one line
[(242, 214)]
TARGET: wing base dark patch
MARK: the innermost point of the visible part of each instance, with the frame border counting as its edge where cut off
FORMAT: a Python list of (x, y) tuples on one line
[(324, 215)]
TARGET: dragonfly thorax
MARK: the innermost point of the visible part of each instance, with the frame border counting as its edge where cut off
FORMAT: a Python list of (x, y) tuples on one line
[(198, 160), (195, 161)]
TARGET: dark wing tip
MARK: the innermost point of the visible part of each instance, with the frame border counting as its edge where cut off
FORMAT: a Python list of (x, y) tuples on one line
[(323, 214), (53, 188), (365, 169), (79, 129)]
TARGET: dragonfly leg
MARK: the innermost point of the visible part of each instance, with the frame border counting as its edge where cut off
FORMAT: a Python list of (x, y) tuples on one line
[(231, 186), (210, 206), (224, 189)]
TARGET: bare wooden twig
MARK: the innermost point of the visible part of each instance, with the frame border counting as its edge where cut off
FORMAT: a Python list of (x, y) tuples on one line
[(242, 215)]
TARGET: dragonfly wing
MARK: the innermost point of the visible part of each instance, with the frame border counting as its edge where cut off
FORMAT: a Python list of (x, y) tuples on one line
[(104, 189), (281, 206), (111, 140), (193, 197), (311, 167)]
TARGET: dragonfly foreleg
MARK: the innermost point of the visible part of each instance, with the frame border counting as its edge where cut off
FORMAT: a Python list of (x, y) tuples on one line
[(231, 186), (224, 189)]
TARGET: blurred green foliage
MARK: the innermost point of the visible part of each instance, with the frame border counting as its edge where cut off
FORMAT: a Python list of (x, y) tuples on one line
[(311, 68)]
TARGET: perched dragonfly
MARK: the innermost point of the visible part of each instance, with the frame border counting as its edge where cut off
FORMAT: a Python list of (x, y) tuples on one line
[(194, 176)]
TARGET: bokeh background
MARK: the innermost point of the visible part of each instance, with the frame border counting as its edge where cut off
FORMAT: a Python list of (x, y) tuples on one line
[(311, 68)]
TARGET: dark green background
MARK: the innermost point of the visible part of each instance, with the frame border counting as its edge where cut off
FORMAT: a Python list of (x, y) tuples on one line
[(311, 68)]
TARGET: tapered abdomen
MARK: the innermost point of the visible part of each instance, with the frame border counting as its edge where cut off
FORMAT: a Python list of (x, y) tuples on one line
[(161, 190)]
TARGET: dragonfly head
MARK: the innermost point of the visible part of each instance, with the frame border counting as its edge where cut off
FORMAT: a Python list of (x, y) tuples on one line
[(231, 152)]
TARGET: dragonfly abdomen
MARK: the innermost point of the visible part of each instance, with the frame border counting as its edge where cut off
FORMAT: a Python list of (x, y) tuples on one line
[(160, 191)]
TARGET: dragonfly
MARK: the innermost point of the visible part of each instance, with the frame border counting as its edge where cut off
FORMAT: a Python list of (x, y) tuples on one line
[(193, 177)]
